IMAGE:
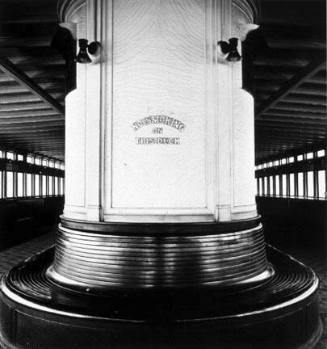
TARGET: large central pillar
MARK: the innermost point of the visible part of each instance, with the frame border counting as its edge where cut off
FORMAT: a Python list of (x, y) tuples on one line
[(159, 150), (160, 244)]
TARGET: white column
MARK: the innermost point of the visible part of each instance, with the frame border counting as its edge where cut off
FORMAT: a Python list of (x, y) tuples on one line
[(159, 130), (160, 80)]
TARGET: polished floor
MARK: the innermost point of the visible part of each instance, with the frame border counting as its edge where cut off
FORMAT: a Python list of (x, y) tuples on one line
[(313, 257)]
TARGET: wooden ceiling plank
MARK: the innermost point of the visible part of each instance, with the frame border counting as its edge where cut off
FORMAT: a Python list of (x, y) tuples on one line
[(32, 126), (26, 121), (24, 80), (16, 99), (17, 88), (16, 91), (292, 84), (285, 132), (299, 36), (48, 74), (33, 121), (41, 113), (45, 138), (6, 97), (267, 62), (34, 137), (22, 107), (279, 72), (300, 128), (319, 81), (306, 100), (284, 106), (285, 43), (294, 114), (22, 42), (277, 141), (311, 91), (271, 119), (301, 138)]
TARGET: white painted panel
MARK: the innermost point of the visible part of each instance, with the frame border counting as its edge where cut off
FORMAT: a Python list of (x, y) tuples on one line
[(159, 65), (244, 187), (75, 149)]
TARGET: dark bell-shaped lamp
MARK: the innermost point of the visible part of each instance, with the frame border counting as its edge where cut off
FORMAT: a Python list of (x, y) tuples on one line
[(230, 49), (85, 49)]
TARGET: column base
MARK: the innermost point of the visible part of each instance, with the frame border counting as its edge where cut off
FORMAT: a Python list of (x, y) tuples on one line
[(283, 312), (99, 257)]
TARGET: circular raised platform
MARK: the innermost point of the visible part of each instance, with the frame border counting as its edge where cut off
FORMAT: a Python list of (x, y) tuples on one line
[(282, 312)]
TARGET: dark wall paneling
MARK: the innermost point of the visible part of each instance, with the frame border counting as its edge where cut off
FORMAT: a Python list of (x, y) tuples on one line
[(25, 218), (290, 221)]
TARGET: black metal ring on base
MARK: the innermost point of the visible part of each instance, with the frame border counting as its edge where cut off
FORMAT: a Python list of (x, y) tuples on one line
[(98, 261), (281, 313), (140, 256)]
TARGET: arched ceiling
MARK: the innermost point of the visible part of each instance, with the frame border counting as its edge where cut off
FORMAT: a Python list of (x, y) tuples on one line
[(285, 59)]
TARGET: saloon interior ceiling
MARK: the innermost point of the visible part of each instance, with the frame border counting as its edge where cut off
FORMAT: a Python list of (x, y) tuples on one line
[(285, 61)]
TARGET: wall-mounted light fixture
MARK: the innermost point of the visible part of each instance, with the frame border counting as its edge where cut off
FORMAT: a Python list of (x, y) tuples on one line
[(230, 49), (85, 49)]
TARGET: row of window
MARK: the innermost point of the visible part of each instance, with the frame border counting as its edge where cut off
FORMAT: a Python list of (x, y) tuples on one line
[(33, 159), (17, 184), (30, 176), (287, 160), (311, 184), (301, 176)]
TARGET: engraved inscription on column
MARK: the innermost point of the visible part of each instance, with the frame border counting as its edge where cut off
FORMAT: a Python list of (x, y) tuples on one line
[(158, 120)]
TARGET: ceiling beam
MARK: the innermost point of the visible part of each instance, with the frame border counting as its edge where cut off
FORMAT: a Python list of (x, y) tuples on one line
[(10, 69), (289, 86)]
